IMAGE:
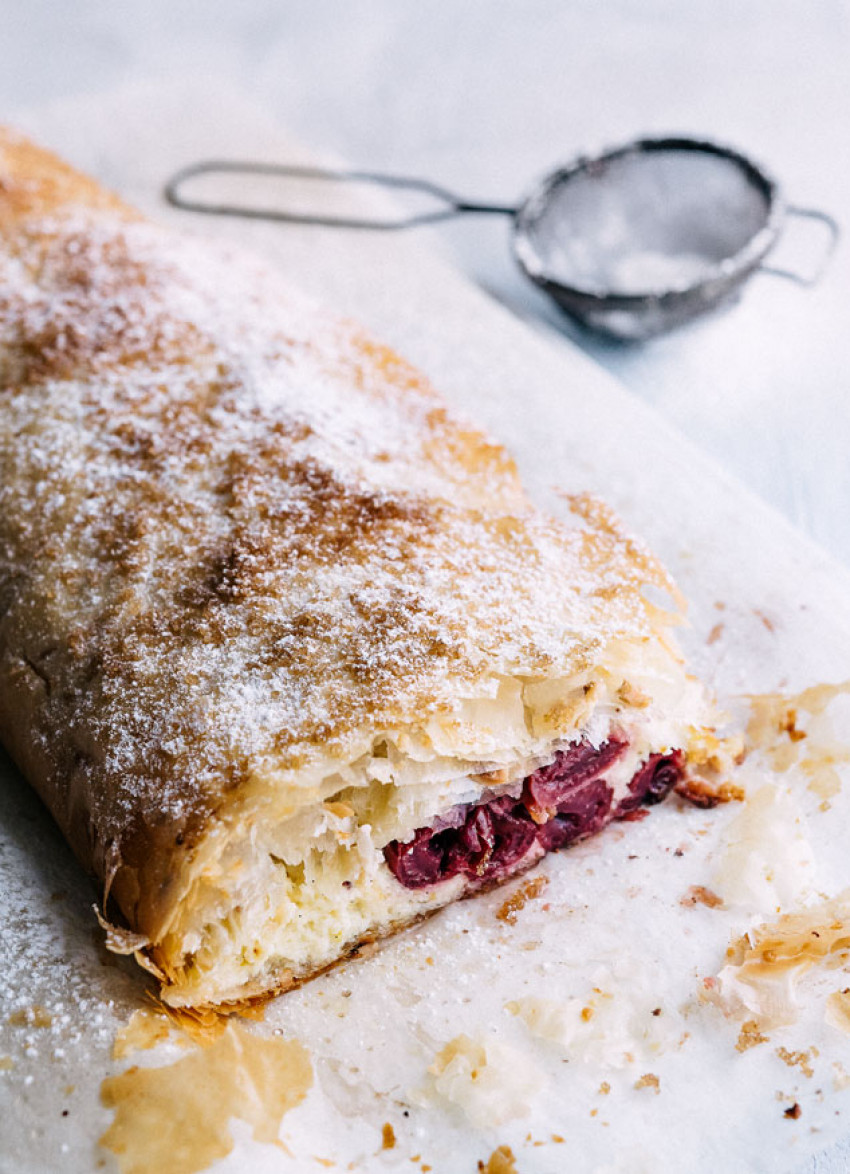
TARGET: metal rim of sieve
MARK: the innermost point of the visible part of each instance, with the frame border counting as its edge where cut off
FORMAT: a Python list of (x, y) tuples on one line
[(651, 311), (721, 276)]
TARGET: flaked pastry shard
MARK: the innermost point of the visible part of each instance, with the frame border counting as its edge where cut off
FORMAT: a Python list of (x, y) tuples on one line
[(285, 648)]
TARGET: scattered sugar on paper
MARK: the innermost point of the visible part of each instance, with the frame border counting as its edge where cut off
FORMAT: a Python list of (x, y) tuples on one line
[(558, 1021), (764, 966), (610, 1028), (176, 1117), (768, 864), (630, 1162), (489, 1081)]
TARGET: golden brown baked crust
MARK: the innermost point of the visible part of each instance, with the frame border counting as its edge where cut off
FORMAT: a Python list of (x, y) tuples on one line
[(240, 542)]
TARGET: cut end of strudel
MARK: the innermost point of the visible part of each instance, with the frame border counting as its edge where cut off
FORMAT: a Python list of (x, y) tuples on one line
[(283, 645)]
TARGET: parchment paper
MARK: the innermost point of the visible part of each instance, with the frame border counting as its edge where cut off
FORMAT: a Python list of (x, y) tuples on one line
[(613, 920)]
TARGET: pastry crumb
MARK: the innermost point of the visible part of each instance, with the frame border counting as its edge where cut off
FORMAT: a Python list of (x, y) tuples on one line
[(649, 1080), (797, 1059), (715, 633), (703, 793), (509, 910), (750, 1036), (700, 895), (501, 1161)]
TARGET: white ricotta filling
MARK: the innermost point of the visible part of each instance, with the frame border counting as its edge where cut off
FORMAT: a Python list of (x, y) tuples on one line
[(292, 893)]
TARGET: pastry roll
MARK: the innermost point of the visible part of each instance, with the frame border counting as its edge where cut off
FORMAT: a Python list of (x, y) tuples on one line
[(284, 647)]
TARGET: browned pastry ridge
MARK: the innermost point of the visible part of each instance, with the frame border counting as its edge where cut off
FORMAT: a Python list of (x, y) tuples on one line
[(268, 608)]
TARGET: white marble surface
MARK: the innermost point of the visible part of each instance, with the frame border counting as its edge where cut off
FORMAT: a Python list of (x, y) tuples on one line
[(486, 95)]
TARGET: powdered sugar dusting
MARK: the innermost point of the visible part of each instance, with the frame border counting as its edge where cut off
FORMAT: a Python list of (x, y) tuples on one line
[(236, 535)]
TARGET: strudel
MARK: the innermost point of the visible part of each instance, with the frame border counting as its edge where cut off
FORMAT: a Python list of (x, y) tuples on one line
[(284, 646)]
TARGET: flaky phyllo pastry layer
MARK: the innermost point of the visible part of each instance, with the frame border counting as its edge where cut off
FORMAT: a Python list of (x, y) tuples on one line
[(285, 648)]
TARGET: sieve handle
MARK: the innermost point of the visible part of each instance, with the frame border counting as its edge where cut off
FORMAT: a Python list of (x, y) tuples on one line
[(452, 205), (834, 231)]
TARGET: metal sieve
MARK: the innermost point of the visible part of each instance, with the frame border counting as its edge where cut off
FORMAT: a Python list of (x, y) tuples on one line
[(632, 241)]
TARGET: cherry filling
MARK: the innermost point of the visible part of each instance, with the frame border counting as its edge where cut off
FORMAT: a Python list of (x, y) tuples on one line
[(565, 801)]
